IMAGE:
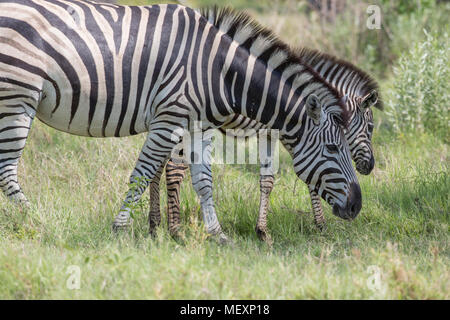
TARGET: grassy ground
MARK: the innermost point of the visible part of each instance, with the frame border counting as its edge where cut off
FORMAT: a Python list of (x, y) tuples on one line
[(76, 186)]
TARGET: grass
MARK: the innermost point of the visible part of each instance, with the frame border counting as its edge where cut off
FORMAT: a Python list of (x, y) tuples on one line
[(76, 186)]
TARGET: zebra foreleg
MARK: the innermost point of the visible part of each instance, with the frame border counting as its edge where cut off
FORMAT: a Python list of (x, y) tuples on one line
[(15, 123), (154, 154), (266, 186), (319, 218), (202, 182)]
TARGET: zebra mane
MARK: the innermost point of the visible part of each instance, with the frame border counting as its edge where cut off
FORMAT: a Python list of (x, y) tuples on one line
[(263, 43), (365, 82)]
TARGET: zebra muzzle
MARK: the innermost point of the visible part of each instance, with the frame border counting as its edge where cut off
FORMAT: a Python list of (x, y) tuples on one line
[(353, 206), (365, 167)]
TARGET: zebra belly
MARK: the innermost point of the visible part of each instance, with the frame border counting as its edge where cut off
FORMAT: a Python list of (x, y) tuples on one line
[(80, 124)]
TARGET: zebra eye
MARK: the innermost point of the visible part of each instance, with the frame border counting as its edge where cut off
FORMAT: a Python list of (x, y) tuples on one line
[(332, 148)]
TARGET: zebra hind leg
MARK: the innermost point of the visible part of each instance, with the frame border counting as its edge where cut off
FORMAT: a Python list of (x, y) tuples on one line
[(15, 122), (154, 216), (266, 186), (319, 218), (175, 174)]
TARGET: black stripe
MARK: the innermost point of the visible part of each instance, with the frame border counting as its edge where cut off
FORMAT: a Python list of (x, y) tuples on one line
[(127, 65), (143, 64), (31, 69)]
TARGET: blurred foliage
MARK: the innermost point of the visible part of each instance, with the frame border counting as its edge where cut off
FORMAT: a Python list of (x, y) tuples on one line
[(421, 94), (339, 28)]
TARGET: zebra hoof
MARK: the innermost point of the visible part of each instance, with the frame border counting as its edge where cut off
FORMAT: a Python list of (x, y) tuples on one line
[(322, 226), (122, 221), (152, 230), (25, 205), (264, 235), (222, 239), (175, 232)]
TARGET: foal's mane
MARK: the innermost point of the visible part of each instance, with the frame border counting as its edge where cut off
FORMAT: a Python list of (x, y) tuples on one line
[(365, 82)]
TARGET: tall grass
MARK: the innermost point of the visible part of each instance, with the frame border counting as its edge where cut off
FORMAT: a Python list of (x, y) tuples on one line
[(341, 29), (421, 91)]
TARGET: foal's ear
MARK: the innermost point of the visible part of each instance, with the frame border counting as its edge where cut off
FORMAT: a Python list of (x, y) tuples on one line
[(370, 99), (313, 108)]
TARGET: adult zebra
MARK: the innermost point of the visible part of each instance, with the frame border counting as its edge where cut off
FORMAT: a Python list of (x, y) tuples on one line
[(362, 93), (103, 70)]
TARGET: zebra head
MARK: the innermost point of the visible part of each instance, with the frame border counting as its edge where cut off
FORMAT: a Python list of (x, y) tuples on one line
[(322, 158), (359, 131)]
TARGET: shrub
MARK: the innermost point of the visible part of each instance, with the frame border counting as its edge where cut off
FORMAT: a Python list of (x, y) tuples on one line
[(420, 99)]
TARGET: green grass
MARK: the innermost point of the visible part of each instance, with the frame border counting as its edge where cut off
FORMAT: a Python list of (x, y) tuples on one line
[(76, 186)]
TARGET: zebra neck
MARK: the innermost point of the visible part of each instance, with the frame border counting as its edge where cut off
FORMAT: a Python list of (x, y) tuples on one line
[(259, 93)]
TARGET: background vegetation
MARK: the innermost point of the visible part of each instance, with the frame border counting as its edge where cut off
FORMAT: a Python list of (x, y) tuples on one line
[(76, 186)]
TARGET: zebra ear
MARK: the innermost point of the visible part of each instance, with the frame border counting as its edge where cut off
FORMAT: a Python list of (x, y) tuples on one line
[(313, 108), (370, 99)]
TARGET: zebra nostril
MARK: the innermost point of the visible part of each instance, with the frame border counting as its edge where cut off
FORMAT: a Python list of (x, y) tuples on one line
[(355, 200), (353, 210)]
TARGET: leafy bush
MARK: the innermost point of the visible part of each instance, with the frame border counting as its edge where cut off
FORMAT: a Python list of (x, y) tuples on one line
[(420, 100)]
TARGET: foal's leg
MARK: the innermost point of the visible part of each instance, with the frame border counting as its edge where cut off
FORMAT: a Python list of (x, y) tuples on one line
[(175, 174), (267, 170), (319, 218), (154, 216), (265, 187)]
